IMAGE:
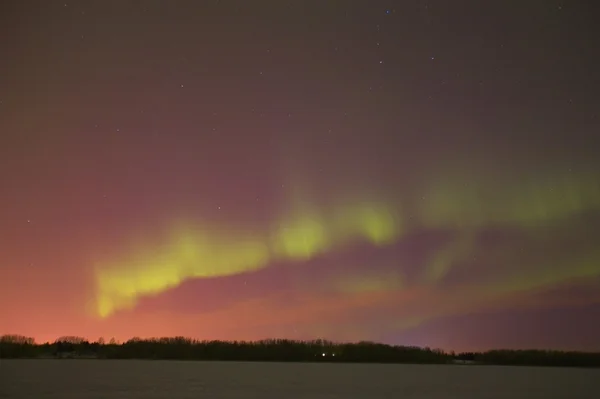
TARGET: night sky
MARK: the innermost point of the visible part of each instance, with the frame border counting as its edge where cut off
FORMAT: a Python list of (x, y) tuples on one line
[(412, 172)]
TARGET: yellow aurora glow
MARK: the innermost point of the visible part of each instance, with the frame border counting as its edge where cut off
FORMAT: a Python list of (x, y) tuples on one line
[(200, 253), (465, 206)]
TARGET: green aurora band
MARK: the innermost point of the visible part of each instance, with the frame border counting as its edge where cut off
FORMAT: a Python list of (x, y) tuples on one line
[(464, 206), (194, 253)]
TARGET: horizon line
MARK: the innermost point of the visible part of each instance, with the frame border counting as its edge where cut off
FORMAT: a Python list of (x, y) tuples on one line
[(324, 341)]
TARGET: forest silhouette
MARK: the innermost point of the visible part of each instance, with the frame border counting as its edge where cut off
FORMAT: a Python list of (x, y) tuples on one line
[(280, 350)]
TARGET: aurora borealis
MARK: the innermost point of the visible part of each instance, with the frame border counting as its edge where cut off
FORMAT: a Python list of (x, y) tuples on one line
[(412, 172)]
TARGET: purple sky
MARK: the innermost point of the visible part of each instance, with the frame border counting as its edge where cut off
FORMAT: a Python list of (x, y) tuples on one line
[(415, 172)]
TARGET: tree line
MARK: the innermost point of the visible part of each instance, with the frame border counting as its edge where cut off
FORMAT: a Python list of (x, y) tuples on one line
[(281, 350)]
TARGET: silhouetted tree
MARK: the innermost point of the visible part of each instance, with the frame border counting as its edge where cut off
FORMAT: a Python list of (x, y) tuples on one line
[(17, 339), (13, 346)]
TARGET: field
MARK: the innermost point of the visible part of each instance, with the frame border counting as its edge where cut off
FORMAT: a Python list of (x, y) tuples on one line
[(133, 379)]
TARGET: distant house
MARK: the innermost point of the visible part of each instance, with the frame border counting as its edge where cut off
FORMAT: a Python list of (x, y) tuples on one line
[(66, 354), (462, 361), (65, 350)]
